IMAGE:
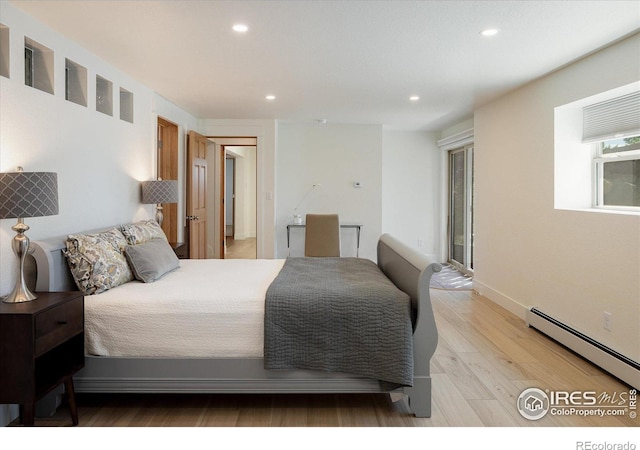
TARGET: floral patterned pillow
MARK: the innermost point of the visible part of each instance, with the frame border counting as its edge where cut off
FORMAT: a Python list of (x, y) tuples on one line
[(97, 261), (141, 232)]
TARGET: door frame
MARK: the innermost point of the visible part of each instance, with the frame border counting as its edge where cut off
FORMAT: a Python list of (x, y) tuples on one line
[(218, 173), (233, 193)]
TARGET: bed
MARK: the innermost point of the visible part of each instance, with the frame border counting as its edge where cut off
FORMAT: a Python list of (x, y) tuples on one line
[(212, 365)]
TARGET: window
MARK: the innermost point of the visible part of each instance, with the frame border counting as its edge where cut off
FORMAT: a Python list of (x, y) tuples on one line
[(461, 208), (617, 172), (614, 126), (597, 152)]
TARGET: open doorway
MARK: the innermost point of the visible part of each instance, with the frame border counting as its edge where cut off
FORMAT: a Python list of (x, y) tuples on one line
[(240, 202), (232, 198)]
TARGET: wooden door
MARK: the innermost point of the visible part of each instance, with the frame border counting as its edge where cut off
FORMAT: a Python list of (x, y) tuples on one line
[(197, 195), (168, 170)]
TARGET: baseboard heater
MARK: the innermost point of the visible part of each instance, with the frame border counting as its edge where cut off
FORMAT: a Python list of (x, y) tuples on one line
[(608, 359)]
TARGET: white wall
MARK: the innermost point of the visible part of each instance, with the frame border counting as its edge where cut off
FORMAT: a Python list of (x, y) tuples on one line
[(334, 156), (411, 185), (100, 160), (572, 264)]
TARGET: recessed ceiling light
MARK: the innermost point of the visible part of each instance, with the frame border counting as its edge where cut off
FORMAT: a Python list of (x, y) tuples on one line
[(489, 32), (240, 28), (414, 98), (270, 97)]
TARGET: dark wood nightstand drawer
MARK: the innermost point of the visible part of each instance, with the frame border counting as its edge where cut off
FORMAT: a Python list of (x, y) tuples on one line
[(41, 347), (58, 324)]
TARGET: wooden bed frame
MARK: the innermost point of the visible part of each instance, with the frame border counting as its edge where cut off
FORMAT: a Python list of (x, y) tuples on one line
[(409, 271)]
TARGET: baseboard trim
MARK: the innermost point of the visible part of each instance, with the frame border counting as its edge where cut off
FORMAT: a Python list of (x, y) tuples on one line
[(608, 359), (624, 372), (500, 299)]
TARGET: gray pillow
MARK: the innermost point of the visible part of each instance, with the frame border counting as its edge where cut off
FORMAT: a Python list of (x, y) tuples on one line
[(151, 260)]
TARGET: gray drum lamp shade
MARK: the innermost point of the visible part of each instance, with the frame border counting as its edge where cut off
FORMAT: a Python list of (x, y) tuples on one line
[(28, 194), (160, 191)]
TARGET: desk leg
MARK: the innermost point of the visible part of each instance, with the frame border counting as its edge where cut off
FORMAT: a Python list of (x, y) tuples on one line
[(71, 399)]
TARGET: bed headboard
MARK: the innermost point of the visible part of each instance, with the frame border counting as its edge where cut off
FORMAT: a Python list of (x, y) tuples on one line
[(53, 274)]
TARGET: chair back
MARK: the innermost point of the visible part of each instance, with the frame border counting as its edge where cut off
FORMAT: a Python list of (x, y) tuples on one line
[(322, 235)]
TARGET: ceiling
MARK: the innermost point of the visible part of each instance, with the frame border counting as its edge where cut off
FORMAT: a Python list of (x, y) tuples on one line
[(342, 61)]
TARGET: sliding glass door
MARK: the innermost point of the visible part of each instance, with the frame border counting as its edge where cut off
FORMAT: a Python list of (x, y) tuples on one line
[(461, 208)]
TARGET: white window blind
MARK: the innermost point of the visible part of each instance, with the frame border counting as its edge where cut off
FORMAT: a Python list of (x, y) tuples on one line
[(615, 118)]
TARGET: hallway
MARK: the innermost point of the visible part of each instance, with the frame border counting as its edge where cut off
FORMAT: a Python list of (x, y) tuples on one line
[(241, 248)]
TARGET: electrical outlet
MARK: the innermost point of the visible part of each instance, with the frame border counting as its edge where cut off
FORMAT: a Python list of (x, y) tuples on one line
[(606, 320), (420, 242)]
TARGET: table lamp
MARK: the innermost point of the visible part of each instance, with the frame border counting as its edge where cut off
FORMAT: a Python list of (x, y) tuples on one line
[(159, 192), (26, 194)]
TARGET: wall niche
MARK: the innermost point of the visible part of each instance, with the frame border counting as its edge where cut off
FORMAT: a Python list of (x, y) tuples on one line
[(38, 66), (4, 51), (75, 82), (104, 96), (126, 105)]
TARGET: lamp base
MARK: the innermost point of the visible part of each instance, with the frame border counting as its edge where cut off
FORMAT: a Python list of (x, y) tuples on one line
[(159, 215), (20, 295), (20, 245)]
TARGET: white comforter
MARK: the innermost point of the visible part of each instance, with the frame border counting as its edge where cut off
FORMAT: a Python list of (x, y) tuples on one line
[(206, 308)]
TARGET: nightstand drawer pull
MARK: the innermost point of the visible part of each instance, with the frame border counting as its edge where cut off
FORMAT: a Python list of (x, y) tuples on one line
[(62, 322)]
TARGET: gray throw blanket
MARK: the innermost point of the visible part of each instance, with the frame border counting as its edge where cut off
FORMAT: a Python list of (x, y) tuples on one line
[(341, 315)]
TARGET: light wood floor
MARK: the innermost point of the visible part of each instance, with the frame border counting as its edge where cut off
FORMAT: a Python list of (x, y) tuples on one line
[(485, 358), (240, 248)]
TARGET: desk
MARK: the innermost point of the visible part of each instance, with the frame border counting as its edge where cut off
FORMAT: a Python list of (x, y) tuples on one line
[(357, 227)]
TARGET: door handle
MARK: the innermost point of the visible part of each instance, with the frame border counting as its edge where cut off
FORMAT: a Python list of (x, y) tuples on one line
[(193, 218)]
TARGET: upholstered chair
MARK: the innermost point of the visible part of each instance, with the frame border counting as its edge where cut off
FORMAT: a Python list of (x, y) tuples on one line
[(322, 235)]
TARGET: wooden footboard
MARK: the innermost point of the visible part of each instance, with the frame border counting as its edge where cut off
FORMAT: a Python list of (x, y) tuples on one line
[(409, 271), (412, 272)]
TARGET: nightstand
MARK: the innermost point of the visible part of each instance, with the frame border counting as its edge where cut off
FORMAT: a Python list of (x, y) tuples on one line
[(41, 347), (181, 249)]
